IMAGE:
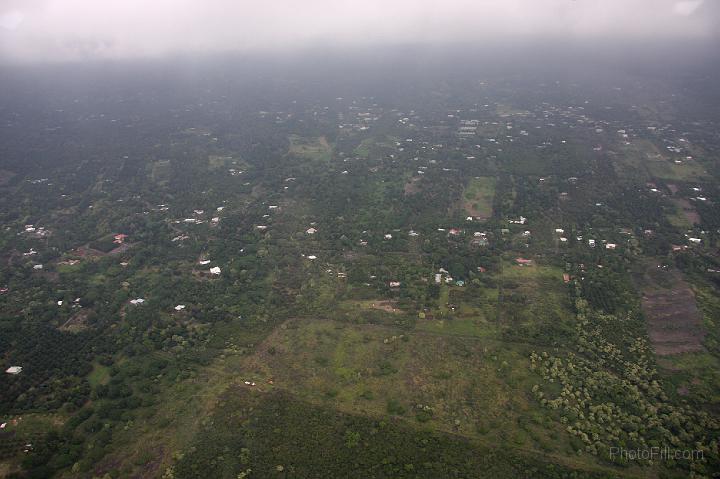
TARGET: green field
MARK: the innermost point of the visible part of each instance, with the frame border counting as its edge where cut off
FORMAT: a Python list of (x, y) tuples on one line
[(478, 197), (316, 148)]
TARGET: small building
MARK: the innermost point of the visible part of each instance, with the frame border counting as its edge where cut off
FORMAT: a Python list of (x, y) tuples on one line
[(215, 270), (524, 262), (395, 284), (120, 238), (136, 302), (14, 370)]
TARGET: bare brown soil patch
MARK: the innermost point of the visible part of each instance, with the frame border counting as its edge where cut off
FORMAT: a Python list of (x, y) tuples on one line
[(412, 187), (673, 319), (388, 306)]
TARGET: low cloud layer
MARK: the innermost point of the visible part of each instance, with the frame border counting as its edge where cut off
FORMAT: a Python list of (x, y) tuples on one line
[(60, 30)]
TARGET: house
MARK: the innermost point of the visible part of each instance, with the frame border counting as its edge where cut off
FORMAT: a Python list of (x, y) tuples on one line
[(438, 278), (523, 261), (14, 370), (312, 257), (388, 236), (395, 284), (559, 231), (566, 278), (591, 243), (179, 307), (215, 270), (120, 238), (454, 231), (695, 240), (137, 301), (311, 231), (610, 246)]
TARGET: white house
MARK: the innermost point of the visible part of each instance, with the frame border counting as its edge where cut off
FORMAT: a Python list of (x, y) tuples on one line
[(14, 370), (215, 270)]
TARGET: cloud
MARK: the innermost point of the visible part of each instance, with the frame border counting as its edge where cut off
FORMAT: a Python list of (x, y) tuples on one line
[(36, 30), (11, 20), (688, 7)]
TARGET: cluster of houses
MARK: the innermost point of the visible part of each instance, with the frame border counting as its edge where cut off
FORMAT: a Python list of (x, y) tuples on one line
[(443, 276), (36, 231)]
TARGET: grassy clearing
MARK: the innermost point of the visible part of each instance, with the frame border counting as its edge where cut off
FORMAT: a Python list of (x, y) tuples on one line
[(465, 386), (534, 306), (310, 148), (478, 197), (370, 146), (160, 171), (693, 376), (644, 160), (505, 111), (678, 218), (476, 327), (99, 375)]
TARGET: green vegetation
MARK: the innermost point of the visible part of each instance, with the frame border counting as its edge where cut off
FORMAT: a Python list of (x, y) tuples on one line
[(269, 279), (478, 197)]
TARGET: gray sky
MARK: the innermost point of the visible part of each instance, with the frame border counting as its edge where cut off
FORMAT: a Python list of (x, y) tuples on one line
[(59, 30)]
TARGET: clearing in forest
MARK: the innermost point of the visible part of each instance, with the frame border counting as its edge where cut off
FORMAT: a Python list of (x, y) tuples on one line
[(316, 148), (673, 319), (478, 197)]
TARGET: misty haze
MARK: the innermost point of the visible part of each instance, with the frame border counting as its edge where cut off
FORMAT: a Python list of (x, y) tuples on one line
[(333, 239)]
